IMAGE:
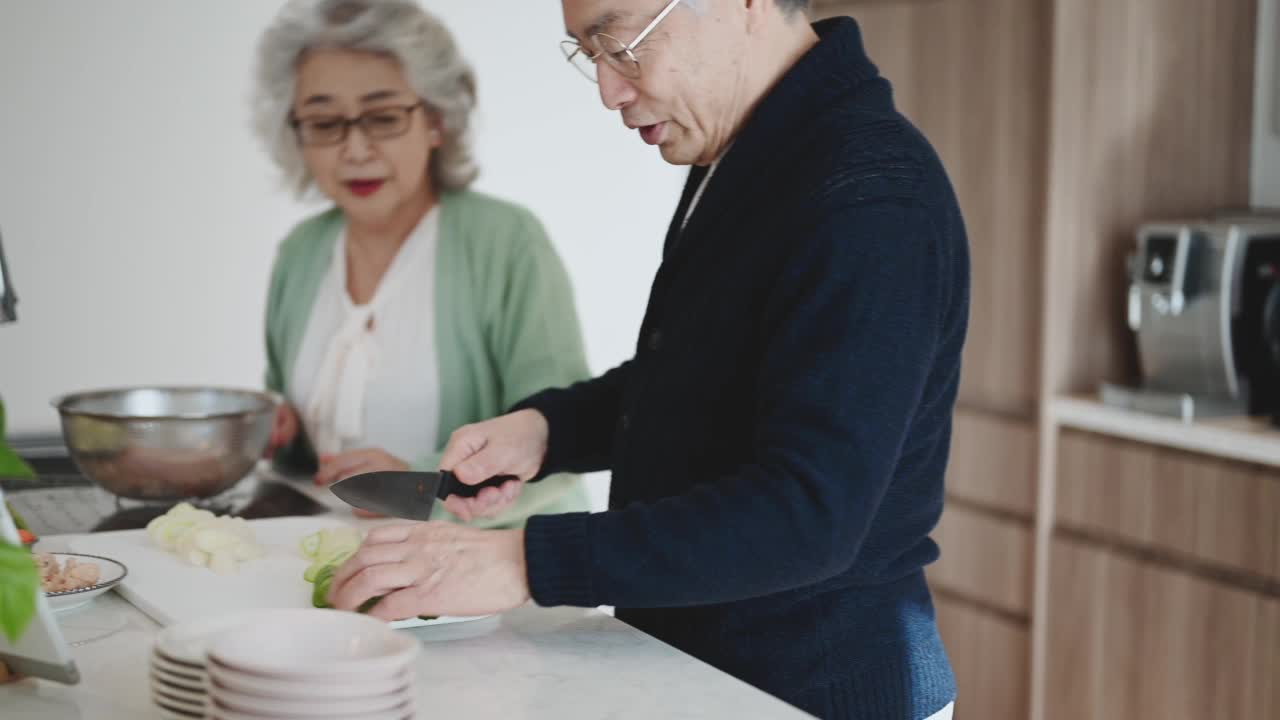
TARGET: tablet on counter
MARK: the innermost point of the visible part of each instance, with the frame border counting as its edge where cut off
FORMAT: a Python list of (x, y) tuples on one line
[(41, 650)]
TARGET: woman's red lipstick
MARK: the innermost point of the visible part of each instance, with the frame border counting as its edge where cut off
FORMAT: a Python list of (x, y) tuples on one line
[(364, 188)]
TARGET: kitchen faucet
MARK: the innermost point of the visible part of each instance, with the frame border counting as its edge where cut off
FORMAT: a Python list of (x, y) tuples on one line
[(8, 298)]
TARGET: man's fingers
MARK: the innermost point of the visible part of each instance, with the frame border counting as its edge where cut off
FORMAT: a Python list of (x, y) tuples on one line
[(403, 603), (489, 502), (368, 556), (482, 466), (463, 443), (459, 507), (388, 534), (511, 490), (371, 582)]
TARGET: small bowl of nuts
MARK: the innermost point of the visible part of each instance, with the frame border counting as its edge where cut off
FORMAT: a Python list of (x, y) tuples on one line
[(73, 580)]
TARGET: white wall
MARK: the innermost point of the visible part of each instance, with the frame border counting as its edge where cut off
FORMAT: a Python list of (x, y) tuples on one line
[(1266, 118), (140, 217)]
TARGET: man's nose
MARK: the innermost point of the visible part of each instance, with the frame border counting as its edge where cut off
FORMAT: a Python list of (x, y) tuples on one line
[(616, 90)]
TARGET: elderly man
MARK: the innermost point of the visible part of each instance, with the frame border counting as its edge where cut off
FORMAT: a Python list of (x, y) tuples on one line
[(778, 442)]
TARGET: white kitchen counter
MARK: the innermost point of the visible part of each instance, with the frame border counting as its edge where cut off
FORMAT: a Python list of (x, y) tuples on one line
[(561, 663)]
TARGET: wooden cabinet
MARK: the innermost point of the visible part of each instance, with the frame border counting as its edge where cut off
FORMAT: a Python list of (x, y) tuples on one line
[(1064, 125), (1151, 117), (989, 655), (1221, 513), (993, 461), (984, 558), (973, 75), (1131, 639)]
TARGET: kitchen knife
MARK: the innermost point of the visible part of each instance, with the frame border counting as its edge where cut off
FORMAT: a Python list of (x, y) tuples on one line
[(406, 494)]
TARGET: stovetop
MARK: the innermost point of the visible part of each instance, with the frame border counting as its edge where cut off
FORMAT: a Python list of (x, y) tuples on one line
[(62, 500)]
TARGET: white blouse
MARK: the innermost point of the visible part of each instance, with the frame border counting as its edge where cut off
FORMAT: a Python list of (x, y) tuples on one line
[(366, 376)]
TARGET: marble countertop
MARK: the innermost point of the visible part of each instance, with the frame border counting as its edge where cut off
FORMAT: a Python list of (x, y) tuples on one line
[(561, 663)]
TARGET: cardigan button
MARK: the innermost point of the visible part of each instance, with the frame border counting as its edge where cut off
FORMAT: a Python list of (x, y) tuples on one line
[(625, 422)]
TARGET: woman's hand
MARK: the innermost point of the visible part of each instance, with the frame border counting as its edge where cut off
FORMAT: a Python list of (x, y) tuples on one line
[(512, 444), (343, 465), (284, 428), (434, 568), (355, 462)]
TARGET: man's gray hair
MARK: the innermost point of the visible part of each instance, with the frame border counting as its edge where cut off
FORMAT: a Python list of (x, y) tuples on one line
[(399, 29), (789, 7), (793, 6)]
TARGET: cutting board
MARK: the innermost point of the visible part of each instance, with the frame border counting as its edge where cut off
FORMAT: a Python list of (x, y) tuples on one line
[(171, 591)]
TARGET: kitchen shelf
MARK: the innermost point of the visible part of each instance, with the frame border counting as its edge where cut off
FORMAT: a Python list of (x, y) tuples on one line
[(1237, 438)]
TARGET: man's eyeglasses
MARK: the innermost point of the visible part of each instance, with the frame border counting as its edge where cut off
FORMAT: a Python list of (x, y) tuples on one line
[(378, 124), (619, 55)]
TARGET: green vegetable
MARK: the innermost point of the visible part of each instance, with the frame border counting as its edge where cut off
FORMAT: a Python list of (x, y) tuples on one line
[(11, 466), (19, 585), (331, 546), (323, 579)]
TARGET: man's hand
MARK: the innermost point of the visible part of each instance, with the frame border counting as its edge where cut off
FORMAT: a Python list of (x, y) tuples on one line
[(513, 444), (434, 568)]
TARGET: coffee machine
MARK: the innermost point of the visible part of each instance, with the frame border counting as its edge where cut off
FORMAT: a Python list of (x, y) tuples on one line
[(1204, 306)]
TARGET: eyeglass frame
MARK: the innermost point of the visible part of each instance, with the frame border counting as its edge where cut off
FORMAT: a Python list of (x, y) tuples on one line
[(628, 48), (295, 122)]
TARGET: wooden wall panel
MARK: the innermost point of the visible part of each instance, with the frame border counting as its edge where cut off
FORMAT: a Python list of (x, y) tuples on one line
[(993, 461), (989, 656), (1264, 692), (1151, 119), (984, 558), (973, 75)]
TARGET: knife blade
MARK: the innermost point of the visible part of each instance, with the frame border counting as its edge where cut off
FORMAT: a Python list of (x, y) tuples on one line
[(406, 494)]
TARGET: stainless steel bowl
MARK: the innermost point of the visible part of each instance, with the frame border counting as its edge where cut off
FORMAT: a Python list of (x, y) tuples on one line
[(166, 443)]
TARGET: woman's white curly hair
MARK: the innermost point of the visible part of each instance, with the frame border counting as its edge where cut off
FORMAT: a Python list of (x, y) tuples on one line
[(400, 29)]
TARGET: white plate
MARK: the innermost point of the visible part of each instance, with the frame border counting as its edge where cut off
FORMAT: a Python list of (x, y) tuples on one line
[(345, 688), (442, 620), (188, 642), (167, 714), (178, 694), (314, 644), (349, 708), (177, 681), (171, 703), (186, 672), (219, 711), (111, 572)]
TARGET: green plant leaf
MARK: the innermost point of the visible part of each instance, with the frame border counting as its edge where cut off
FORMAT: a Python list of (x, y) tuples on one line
[(11, 466), (19, 586)]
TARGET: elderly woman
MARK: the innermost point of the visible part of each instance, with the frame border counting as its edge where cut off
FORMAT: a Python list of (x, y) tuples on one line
[(413, 306)]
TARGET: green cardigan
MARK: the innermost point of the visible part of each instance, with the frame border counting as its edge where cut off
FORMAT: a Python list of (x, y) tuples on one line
[(505, 328)]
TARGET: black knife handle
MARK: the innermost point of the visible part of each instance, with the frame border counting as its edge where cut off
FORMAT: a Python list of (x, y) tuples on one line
[(451, 485)]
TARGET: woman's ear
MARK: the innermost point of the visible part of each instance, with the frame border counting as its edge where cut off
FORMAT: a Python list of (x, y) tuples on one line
[(435, 132)]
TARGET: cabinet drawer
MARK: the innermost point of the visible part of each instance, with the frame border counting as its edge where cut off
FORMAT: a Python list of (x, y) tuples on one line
[(993, 461), (1219, 512), (985, 558), (1132, 639), (990, 658)]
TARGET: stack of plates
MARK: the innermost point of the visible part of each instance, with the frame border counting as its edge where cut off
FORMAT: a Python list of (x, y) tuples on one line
[(179, 679), (311, 663)]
